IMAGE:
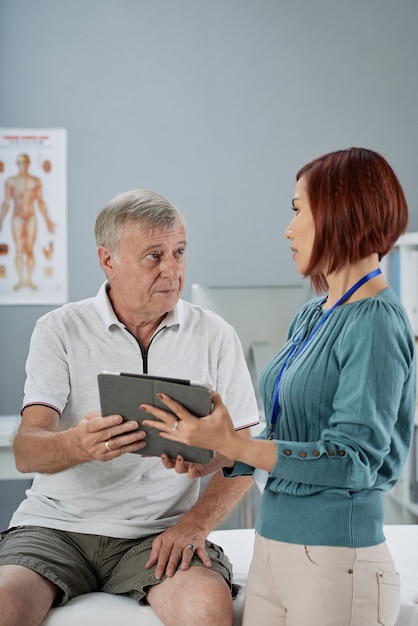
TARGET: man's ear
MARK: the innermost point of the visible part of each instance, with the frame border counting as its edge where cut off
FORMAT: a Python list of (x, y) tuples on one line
[(106, 259)]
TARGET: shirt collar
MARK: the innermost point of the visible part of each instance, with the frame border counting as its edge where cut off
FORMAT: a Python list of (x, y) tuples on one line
[(106, 313)]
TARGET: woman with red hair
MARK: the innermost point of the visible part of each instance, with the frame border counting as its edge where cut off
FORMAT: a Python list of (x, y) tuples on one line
[(339, 400)]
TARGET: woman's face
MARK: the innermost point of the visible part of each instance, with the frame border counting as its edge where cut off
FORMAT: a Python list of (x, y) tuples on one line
[(301, 230)]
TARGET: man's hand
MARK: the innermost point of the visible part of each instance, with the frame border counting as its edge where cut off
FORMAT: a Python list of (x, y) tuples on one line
[(105, 438), (39, 445), (196, 470), (177, 545)]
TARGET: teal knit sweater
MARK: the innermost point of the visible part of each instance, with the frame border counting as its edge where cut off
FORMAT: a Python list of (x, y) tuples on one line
[(345, 424)]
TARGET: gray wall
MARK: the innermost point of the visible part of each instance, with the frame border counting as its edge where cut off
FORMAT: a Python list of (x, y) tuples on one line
[(214, 104)]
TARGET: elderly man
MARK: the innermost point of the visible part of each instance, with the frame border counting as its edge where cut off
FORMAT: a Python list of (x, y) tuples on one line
[(98, 518)]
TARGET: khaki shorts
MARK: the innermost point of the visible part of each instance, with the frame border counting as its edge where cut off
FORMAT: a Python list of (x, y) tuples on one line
[(78, 563)]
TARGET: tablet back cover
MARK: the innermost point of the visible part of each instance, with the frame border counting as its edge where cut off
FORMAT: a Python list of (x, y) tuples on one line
[(122, 394)]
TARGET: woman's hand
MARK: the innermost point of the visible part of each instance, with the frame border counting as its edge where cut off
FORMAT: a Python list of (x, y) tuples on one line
[(216, 431)]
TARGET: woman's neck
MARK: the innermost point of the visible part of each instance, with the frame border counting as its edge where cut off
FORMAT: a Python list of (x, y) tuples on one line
[(339, 282)]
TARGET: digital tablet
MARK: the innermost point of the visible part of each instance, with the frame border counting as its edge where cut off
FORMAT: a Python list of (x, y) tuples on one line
[(122, 393)]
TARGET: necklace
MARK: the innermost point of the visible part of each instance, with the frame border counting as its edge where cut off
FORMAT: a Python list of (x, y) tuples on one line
[(300, 348)]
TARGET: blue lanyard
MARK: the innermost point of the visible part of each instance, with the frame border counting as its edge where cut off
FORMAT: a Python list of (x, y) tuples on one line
[(276, 396)]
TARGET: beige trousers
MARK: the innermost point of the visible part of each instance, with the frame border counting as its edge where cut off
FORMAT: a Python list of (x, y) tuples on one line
[(298, 585)]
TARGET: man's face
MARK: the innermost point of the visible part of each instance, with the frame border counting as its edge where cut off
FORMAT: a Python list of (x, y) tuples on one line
[(147, 272)]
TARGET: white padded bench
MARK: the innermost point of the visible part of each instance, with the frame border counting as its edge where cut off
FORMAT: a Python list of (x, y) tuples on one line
[(107, 610)]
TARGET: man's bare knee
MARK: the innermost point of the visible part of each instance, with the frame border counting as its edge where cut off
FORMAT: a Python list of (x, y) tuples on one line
[(25, 596), (195, 596)]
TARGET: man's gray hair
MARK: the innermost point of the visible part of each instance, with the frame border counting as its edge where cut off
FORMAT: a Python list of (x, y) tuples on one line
[(137, 205)]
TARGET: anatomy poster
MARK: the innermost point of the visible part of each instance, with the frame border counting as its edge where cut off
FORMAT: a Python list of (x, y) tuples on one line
[(33, 216)]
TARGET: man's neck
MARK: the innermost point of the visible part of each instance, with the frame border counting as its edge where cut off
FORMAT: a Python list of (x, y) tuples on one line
[(144, 331)]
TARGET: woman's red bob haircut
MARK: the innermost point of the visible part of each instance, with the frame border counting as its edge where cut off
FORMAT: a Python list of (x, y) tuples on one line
[(358, 207)]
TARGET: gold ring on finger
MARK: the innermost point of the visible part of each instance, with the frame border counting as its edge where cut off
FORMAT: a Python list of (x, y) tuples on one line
[(190, 546)]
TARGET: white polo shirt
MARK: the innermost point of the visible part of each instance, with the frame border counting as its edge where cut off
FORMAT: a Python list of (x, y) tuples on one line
[(131, 496)]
